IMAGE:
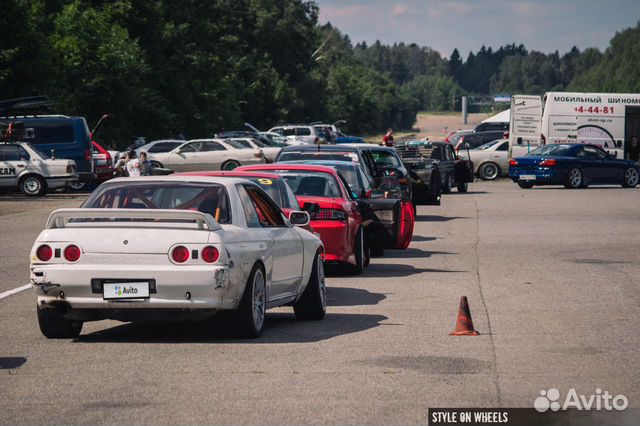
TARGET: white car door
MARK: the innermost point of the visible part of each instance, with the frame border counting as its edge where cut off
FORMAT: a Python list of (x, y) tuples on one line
[(13, 160), (501, 156), (287, 249)]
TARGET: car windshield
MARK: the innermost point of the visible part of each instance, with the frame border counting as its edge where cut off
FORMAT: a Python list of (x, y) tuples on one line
[(204, 197), (487, 145), (385, 159), (318, 155), (311, 184), (270, 186), (550, 150)]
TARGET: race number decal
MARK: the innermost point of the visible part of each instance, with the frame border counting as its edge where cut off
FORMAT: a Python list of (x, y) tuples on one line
[(263, 181)]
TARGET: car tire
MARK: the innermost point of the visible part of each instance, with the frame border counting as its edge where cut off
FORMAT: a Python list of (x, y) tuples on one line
[(54, 326), (574, 179), (359, 252), (229, 165), (463, 187), (631, 177), (33, 186), (525, 185), (446, 188), (248, 321), (489, 171), (312, 305), (156, 165)]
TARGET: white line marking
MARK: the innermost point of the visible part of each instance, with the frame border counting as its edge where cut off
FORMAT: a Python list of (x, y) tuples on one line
[(14, 291)]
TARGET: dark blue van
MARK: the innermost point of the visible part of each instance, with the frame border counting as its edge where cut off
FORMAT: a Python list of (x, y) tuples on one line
[(62, 136)]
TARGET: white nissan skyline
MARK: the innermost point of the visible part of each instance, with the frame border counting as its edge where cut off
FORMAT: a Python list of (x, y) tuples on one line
[(175, 247)]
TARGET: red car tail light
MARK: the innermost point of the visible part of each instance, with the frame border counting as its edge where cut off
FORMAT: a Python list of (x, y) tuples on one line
[(87, 154), (548, 163), (513, 162), (330, 214), (72, 253), (210, 254), (180, 254), (44, 253)]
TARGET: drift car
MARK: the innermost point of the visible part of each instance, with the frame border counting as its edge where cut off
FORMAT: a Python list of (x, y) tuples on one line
[(180, 247), (338, 220)]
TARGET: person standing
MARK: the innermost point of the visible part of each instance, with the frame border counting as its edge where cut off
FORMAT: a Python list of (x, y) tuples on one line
[(633, 149), (133, 165), (387, 140), (120, 168), (145, 165)]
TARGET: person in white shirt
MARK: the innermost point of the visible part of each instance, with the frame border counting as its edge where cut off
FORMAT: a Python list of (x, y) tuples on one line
[(133, 165)]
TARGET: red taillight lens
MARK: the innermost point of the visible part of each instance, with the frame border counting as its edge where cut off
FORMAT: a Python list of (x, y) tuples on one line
[(548, 163), (329, 214), (210, 254), (72, 253), (44, 253), (87, 154), (513, 162), (180, 254)]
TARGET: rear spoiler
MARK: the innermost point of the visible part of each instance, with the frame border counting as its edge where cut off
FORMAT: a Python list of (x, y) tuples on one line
[(61, 217)]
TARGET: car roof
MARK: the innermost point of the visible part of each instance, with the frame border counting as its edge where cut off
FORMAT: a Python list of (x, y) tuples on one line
[(367, 146), (232, 174), (323, 163), (289, 166), (225, 181), (339, 148)]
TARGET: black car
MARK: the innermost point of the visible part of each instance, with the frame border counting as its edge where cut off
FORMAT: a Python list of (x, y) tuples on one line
[(475, 139), (488, 127), (422, 157), (381, 165)]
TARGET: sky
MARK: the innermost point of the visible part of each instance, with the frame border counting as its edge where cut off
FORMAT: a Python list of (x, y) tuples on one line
[(543, 25)]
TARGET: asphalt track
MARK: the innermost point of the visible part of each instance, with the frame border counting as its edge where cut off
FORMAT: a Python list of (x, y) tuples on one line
[(552, 280)]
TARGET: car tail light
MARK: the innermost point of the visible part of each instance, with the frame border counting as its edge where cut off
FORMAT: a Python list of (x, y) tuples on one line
[(44, 253), (548, 163), (505, 135), (210, 254), (87, 154), (180, 254), (513, 162), (72, 253), (330, 214), (543, 140)]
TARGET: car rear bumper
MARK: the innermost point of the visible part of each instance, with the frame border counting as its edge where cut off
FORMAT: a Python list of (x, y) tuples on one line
[(543, 175), (79, 288), (335, 237), (57, 182)]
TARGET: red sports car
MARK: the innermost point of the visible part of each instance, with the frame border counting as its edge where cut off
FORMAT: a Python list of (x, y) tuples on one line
[(338, 220), (271, 183)]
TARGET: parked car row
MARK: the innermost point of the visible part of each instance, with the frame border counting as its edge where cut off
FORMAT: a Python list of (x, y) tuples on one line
[(200, 243)]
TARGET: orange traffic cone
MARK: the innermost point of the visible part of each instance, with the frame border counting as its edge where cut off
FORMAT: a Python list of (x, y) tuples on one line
[(464, 325)]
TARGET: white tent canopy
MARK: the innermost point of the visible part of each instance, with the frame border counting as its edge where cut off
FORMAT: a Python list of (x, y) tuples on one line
[(501, 117)]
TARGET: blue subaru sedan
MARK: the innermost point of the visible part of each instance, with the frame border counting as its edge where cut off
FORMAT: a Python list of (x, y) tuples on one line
[(574, 166)]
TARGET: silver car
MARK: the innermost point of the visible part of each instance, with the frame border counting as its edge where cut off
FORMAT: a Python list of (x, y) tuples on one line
[(491, 159)]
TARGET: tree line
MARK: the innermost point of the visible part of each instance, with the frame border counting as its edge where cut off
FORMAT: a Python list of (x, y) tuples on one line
[(196, 67)]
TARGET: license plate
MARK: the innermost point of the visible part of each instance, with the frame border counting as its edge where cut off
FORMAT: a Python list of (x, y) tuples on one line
[(527, 177), (126, 290)]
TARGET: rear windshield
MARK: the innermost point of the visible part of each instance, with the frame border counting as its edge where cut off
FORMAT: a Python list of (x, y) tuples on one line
[(238, 144), (318, 155), (311, 184), (550, 150), (204, 197)]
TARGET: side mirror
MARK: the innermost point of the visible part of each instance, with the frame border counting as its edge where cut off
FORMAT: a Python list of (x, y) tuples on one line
[(312, 208), (299, 218)]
